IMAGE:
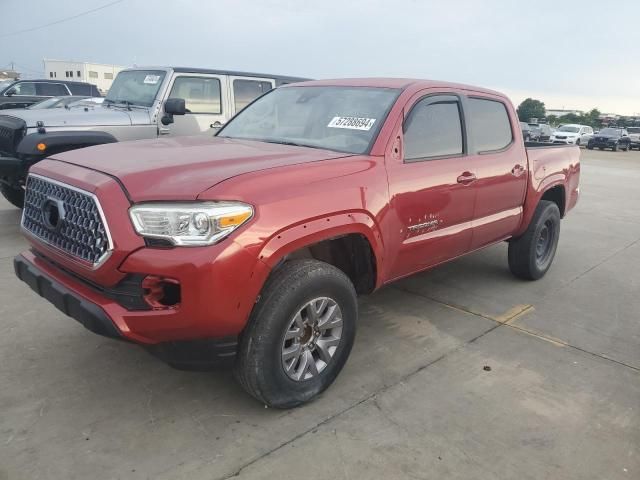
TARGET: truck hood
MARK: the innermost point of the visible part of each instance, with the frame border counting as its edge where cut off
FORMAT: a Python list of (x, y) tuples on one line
[(567, 134), (181, 168), (75, 117)]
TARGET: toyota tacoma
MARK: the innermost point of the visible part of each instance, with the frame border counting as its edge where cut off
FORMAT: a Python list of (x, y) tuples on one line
[(249, 248)]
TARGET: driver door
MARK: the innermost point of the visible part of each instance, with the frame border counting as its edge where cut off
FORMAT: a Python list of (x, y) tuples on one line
[(206, 102)]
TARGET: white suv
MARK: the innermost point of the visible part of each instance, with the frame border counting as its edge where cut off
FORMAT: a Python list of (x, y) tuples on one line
[(572, 134), (634, 136)]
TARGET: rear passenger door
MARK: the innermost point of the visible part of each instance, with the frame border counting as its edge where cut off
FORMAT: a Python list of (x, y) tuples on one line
[(245, 90), (500, 165), (431, 188), (205, 101)]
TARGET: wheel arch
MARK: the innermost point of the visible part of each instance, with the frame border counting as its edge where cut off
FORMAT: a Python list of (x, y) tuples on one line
[(349, 241), (556, 194)]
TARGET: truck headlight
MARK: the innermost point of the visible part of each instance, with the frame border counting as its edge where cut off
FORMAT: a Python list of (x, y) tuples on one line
[(189, 224)]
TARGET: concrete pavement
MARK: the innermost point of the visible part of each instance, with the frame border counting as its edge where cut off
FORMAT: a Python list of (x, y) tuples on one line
[(459, 372)]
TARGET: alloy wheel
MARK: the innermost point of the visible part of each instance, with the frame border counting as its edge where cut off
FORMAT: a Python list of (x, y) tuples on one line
[(311, 339)]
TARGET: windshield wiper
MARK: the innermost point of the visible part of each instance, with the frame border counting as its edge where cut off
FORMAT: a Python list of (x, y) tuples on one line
[(292, 144), (126, 103)]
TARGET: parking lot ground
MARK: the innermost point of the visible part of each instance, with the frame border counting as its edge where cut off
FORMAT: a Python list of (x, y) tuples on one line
[(459, 372)]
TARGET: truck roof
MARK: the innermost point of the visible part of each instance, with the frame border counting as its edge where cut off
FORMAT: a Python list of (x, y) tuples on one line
[(401, 83), (281, 79)]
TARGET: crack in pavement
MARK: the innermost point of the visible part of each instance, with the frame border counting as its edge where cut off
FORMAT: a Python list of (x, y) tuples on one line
[(372, 395), (520, 312), (606, 259)]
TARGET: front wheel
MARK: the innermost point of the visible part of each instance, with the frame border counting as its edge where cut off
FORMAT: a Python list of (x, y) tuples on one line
[(614, 148), (299, 334), (14, 195), (531, 255)]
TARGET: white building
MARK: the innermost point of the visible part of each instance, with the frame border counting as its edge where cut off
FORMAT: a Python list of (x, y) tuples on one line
[(99, 74)]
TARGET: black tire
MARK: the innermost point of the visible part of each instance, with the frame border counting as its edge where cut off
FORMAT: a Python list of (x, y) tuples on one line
[(589, 147), (259, 366), (526, 257), (15, 196), (614, 148), (577, 142), (627, 148)]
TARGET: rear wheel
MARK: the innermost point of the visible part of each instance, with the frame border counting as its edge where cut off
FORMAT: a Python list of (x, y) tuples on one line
[(15, 196), (531, 255), (299, 335)]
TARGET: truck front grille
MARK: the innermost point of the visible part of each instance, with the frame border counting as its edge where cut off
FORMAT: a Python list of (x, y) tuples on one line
[(66, 218), (12, 131)]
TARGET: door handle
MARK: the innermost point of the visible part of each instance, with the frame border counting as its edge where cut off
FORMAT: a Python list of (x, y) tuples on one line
[(517, 170), (216, 125), (164, 131), (466, 178)]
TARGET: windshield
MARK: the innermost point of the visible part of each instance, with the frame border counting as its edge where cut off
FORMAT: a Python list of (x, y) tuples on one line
[(569, 128), (4, 84), (345, 119), (135, 87), (610, 131)]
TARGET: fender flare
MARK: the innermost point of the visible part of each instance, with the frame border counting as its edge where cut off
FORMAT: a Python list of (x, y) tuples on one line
[(302, 234), (55, 140), (552, 181)]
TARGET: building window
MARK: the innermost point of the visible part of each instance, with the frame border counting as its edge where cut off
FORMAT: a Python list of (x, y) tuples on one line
[(108, 76), (78, 72), (50, 74), (93, 74)]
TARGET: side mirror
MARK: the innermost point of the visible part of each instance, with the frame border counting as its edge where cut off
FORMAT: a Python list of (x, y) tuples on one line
[(175, 106), (11, 92)]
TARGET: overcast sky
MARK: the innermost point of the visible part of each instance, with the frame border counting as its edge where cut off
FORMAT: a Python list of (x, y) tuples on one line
[(569, 54)]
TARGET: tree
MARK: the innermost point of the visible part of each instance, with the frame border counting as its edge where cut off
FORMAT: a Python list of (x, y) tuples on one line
[(531, 108)]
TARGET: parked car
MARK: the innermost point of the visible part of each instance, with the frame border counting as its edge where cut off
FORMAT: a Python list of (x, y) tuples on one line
[(572, 134), (526, 131), (250, 247), (540, 132), (634, 137), (141, 103), (23, 93), (611, 137)]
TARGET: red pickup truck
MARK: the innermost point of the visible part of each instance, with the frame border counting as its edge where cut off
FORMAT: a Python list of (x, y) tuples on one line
[(250, 248)]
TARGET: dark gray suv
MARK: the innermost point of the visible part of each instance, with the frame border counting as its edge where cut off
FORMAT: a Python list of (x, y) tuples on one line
[(23, 93)]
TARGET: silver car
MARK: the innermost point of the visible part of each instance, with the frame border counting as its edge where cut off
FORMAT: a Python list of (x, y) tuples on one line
[(141, 103)]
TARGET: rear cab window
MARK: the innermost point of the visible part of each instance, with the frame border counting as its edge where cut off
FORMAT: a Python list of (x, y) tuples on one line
[(489, 124)]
